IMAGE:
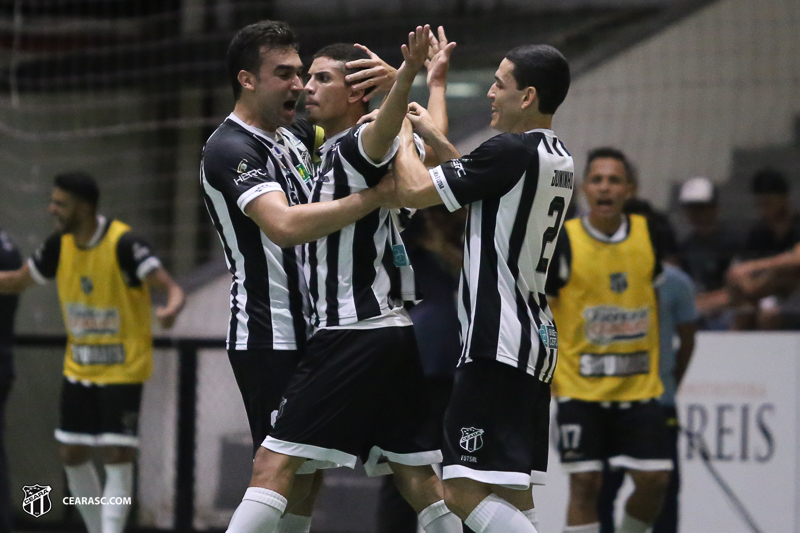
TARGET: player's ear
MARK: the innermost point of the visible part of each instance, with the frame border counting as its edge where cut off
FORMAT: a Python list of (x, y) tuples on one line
[(247, 80), (530, 98), (355, 96)]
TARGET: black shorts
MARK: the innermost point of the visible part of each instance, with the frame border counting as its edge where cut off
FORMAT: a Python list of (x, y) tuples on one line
[(630, 435), (358, 393), (496, 426), (99, 415), (262, 377)]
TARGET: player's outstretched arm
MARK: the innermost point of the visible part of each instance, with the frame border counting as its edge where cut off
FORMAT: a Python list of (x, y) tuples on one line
[(437, 65), (287, 225), (16, 281), (376, 75), (160, 280), (378, 136), (412, 184)]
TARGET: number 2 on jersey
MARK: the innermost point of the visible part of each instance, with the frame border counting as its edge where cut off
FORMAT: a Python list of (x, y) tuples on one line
[(556, 206)]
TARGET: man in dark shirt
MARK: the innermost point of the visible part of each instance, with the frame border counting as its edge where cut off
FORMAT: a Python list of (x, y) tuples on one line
[(777, 231), (707, 252), (9, 260)]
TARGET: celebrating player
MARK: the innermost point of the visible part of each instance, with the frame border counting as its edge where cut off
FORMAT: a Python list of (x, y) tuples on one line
[(517, 186), (104, 274), (257, 173)]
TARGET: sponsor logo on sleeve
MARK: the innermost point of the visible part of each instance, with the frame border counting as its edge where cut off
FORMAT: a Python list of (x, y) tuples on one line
[(459, 168), (245, 172)]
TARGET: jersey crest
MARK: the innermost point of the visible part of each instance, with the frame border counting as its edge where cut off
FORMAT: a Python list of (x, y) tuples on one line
[(471, 439), (619, 282)]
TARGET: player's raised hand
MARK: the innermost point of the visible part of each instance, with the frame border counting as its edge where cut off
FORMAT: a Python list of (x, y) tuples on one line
[(438, 61), (376, 74), (415, 53)]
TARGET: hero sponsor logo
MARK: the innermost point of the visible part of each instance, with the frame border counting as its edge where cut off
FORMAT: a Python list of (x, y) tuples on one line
[(245, 172), (606, 324)]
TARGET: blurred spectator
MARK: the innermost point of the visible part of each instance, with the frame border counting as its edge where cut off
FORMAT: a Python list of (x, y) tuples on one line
[(771, 301), (778, 229), (707, 252), (435, 247)]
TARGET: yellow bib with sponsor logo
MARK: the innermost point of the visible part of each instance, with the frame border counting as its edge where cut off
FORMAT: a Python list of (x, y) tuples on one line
[(607, 319), (108, 323)]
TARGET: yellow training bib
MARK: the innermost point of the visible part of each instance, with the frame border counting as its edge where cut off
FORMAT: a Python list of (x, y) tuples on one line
[(607, 321), (108, 323)]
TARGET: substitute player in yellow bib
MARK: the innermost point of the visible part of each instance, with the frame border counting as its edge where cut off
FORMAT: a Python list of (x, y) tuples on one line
[(104, 274), (601, 290)]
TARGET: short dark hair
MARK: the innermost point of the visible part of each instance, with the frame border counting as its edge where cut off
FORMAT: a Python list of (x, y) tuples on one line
[(80, 185), (244, 52), (543, 67), (613, 153), (345, 53), (769, 181)]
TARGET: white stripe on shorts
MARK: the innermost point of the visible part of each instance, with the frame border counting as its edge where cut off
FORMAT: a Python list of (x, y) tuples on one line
[(102, 439), (375, 467), (325, 455), (512, 480), (645, 465)]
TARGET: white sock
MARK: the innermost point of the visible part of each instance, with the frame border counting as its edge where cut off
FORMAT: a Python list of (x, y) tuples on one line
[(119, 484), (84, 482), (585, 528), (259, 512), (437, 518), (495, 515), (530, 514), (632, 525), (294, 523)]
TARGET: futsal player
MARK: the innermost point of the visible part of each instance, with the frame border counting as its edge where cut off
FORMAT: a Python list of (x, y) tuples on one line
[(257, 173), (516, 186), (104, 274), (601, 288)]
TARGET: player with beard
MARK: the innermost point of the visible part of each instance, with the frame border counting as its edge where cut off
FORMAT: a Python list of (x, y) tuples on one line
[(257, 174), (104, 274)]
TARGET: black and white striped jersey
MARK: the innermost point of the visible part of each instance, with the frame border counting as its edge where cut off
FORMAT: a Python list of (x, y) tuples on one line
[(517, 186), (269, 298), (358, 272)]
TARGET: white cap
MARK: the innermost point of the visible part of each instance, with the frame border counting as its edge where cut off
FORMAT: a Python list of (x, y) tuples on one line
[(698, 190)]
